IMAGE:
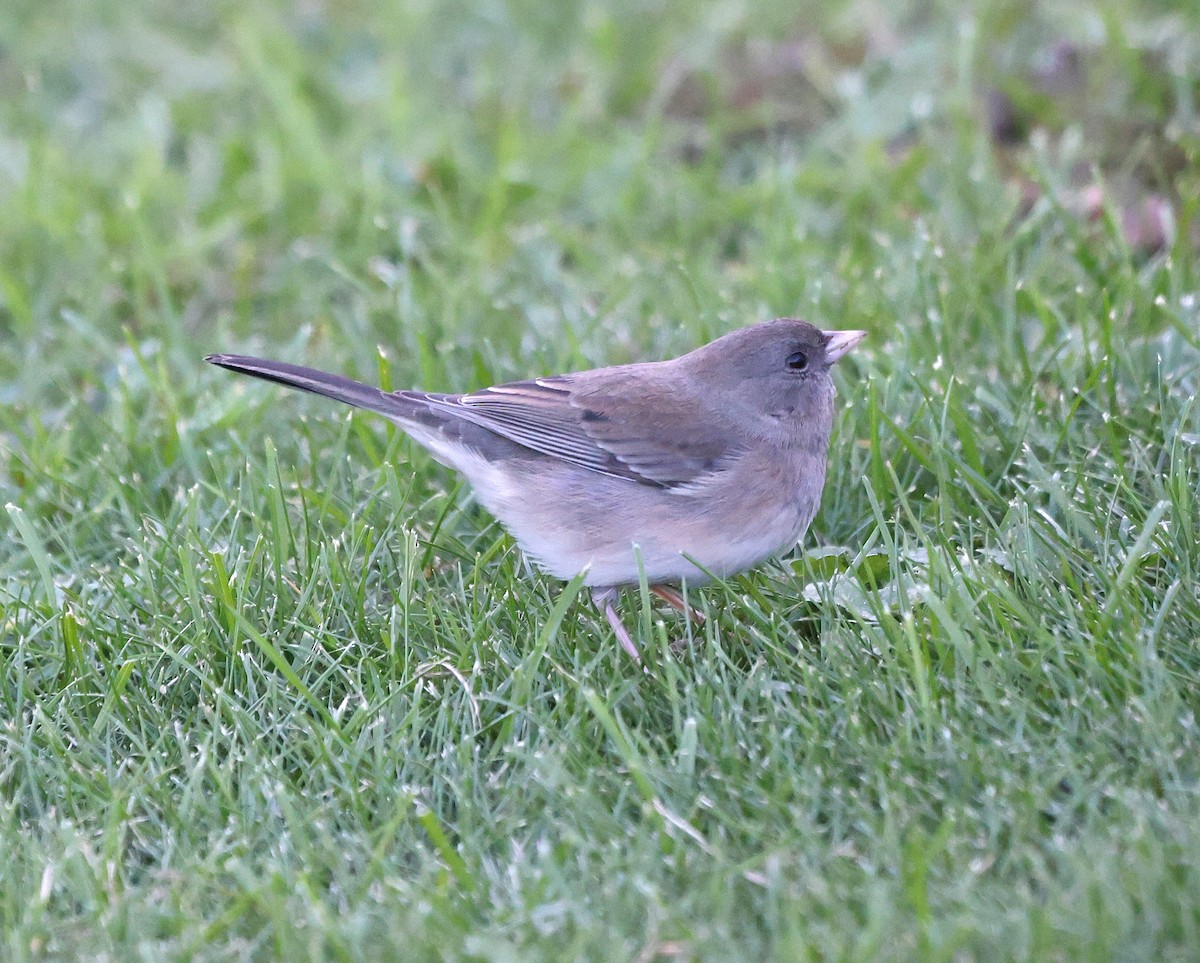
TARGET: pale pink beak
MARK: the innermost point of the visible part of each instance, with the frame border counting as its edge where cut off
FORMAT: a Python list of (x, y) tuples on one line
[(837, 343)]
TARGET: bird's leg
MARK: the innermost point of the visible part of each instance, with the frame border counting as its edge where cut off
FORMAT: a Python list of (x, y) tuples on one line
[(604, 599), (675, 600)]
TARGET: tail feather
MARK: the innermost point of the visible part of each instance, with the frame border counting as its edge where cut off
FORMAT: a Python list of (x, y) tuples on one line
[(318, 382), (448, 437)]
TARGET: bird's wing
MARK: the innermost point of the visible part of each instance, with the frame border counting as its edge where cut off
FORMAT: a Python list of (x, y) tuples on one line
[(616, 426)]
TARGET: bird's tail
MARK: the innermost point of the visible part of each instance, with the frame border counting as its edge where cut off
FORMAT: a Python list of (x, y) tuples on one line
[(318, 382)]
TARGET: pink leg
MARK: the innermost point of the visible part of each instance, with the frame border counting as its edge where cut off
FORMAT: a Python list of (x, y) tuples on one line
[(604, 599), (675, 600)]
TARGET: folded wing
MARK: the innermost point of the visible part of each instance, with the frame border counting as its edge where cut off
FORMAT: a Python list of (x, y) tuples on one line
[(617, 428)]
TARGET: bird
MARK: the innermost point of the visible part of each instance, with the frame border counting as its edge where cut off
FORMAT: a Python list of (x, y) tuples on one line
[(699, 466)]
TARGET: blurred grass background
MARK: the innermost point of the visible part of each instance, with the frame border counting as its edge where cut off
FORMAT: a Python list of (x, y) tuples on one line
[(274, 687)]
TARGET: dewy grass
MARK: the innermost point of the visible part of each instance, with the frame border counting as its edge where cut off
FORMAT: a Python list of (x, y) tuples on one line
[(273, 687)]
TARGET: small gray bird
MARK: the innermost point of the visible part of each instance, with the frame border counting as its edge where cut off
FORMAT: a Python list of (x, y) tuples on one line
[(708, 463)]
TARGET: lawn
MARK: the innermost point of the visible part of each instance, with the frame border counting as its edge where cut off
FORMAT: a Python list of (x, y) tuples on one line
[(272, 686)]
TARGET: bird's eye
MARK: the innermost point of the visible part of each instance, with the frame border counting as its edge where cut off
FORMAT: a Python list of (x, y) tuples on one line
[(797, 361)]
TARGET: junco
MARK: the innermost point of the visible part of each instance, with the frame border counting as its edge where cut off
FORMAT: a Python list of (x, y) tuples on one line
[(708, 463)]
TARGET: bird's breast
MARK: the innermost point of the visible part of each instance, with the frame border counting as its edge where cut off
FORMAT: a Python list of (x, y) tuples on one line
[(567, 519)]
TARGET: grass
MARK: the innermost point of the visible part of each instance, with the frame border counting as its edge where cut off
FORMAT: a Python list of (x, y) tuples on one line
[(273, 687)]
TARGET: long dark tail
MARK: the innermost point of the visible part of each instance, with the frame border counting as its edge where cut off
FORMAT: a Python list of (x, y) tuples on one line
[(318, 382)]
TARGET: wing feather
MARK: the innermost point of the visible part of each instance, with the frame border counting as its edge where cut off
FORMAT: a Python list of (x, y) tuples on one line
[(618, 429)]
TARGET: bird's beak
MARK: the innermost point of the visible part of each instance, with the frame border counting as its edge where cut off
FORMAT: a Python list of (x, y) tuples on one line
[(837, 343)]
